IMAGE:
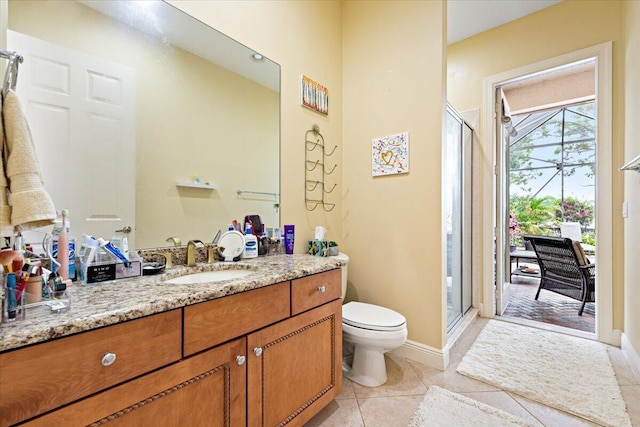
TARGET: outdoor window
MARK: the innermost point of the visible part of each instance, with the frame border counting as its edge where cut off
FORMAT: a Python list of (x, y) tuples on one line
[(552, 172)]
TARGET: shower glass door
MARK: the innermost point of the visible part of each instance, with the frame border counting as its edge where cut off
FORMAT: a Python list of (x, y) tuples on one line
[(457, 190)]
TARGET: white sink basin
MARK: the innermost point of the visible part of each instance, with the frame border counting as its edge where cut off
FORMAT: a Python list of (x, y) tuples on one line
[(209, 276)]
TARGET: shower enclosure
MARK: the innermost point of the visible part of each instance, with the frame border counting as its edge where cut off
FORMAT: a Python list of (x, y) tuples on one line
[(457, 190)]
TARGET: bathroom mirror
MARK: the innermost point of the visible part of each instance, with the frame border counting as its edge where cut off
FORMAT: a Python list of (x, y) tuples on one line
[(143, 116)]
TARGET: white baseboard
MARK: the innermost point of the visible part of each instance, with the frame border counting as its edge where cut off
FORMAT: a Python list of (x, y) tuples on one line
[(616, 338), (631, 355), (424, 354), (435, 357)]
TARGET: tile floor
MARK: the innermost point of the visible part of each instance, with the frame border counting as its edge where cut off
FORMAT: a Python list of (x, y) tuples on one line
[(394, 403)]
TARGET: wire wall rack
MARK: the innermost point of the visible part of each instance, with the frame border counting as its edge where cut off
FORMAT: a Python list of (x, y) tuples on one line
[(316, 170)]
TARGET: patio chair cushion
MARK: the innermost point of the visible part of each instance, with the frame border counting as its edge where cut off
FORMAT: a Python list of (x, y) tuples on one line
[(580, 255)]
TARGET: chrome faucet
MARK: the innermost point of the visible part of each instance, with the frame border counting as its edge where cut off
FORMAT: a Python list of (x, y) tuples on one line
[(191, 251)]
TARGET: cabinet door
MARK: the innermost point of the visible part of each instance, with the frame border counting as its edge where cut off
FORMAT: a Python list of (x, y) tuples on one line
[(295, 367), (204, 390)]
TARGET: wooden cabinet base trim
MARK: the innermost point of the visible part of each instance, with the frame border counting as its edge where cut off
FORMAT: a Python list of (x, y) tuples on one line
[(307, 404)]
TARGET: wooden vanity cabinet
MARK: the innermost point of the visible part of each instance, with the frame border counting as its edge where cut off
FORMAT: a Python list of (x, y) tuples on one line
[(266, 357), (294, 365)]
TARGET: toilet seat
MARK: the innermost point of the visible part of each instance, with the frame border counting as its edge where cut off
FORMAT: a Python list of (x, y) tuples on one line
[(372, 317)]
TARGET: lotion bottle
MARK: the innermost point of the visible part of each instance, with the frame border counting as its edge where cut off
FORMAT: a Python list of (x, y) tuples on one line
[(250, 244)]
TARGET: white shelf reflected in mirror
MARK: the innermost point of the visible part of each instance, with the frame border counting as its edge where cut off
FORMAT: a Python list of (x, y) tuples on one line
[(196, 185)]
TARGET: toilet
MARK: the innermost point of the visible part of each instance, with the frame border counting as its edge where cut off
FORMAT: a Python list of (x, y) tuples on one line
[(368, 332)]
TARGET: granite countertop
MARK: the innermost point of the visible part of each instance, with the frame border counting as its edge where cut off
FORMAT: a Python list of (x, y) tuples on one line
[(97, 305)]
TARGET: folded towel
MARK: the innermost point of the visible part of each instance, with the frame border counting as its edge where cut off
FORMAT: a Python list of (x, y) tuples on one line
[(6, 229), (32, 206)]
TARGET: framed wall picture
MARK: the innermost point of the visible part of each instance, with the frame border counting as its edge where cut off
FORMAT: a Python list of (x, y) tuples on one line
[(314, 96), (390, 154)]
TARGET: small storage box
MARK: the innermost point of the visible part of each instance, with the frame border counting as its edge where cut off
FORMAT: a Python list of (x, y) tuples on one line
[(111, 270), (323, 248)]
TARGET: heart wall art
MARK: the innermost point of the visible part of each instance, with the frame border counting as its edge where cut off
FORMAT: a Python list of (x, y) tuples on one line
[(390, 154)]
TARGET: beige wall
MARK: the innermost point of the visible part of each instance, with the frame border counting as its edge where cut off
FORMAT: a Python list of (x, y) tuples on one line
[(393, 82), (304, 37), (218, 125), (632, 179), (565, 27), (393, 73)]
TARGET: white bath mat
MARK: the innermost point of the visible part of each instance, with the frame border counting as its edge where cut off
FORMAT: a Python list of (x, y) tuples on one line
[(564, 372), (443, 408)]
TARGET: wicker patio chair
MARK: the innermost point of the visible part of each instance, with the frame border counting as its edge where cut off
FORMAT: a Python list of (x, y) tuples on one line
[(564, 268)]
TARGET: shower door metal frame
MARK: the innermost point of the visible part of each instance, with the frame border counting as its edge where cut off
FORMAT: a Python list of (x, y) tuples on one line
[(462, 235)]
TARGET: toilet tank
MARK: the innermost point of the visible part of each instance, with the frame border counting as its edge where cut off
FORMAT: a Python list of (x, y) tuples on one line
[(345, 268)]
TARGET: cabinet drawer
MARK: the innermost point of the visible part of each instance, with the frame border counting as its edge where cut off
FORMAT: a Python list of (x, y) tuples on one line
[(213, 322), (312, 291), (39, 378), (204, 390)]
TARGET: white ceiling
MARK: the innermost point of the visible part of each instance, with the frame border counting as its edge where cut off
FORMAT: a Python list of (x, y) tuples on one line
[(170, 26), (466, 18)]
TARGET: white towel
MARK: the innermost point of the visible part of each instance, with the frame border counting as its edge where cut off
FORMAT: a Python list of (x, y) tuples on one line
[(32, 206), (6, 229)]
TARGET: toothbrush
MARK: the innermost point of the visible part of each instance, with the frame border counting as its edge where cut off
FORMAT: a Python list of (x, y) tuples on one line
[(11, 289), (113, 251)]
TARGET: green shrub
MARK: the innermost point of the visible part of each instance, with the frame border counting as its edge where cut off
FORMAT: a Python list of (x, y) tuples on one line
[(543, 215)]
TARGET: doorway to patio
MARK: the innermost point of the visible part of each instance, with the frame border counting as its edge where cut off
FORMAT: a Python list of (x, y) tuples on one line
[(567, 165), (551, 157)]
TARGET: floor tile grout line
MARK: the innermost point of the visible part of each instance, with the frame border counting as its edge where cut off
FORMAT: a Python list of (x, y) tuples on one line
[(364, 424), (523, 407)]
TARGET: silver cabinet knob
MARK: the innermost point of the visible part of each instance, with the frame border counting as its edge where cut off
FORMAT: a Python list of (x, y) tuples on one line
[(322, 289), (240, 359), (126, 229), (108, 359), (257, 351)]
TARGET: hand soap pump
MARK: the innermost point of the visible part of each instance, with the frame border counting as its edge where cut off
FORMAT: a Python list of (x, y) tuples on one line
[(250, 244)]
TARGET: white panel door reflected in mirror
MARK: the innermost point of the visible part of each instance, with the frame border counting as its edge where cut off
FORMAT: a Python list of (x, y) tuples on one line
[(193, 119)]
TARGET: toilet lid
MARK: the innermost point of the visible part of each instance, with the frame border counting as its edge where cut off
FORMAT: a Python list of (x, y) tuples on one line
[(369, 316)]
